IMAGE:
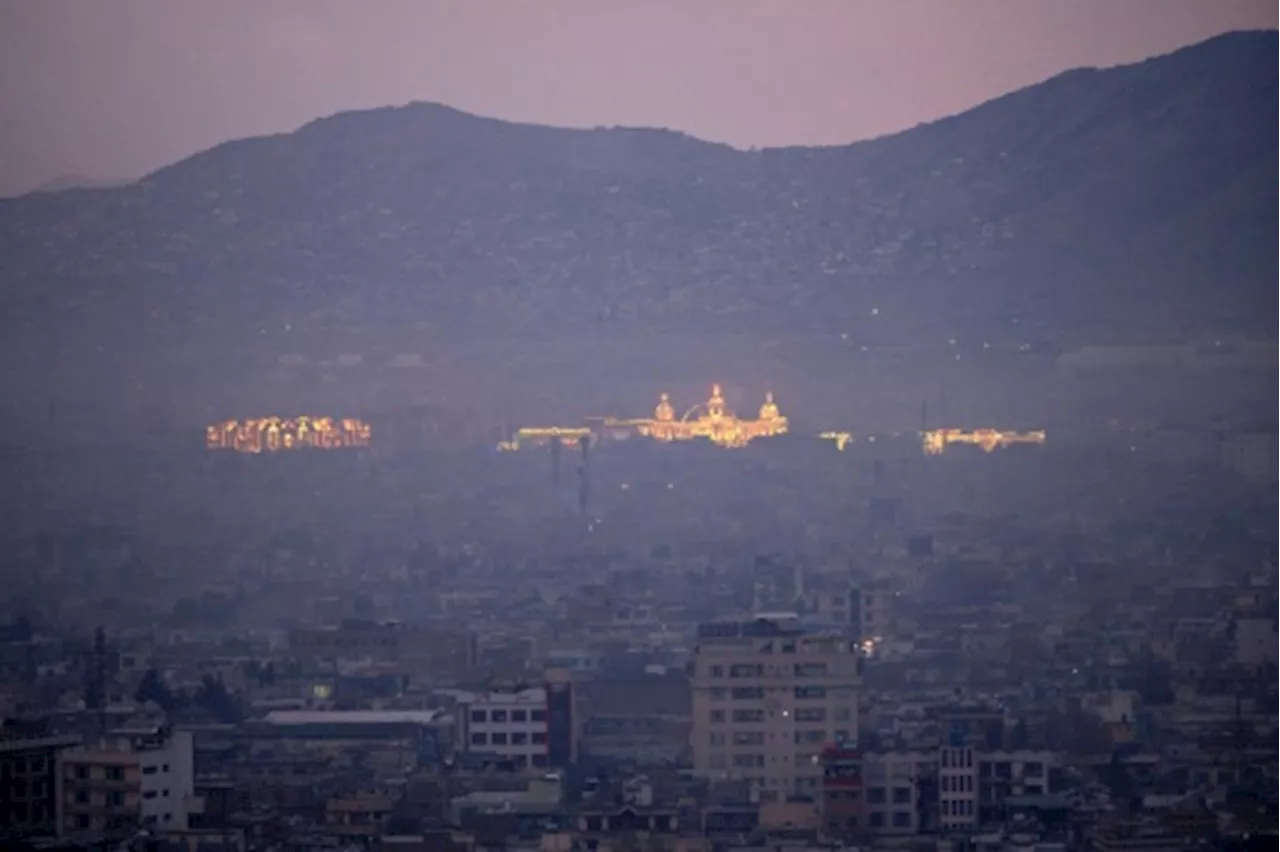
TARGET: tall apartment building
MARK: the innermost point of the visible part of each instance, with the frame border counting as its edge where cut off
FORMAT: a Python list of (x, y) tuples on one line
[(768, 694), (128, 780)]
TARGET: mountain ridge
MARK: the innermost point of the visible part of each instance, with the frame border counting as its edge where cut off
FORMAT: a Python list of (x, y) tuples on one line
[(1137, 195)]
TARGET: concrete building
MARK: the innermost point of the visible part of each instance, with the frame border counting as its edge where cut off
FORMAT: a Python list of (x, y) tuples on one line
[(510, 723), (130, 779), (768, 694), (28, 763)]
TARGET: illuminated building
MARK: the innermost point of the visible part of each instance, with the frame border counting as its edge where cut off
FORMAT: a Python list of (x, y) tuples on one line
[(539, 436), (711, 420), (274, 434), (935, 442), (841, 439)]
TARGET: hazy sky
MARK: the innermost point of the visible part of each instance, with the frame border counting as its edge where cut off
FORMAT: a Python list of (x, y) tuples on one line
[(116, 88)]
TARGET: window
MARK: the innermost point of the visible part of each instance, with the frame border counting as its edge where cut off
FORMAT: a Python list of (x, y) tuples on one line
[(902, 795), (537, 715), (115, 799), (811, 669), (539, 760), (719, 694), (747, 693), (876, 820), (902, 819), (717, 738), (743, 717), (810, 692), (717, 716), (498, 715), (82, 797), (150, 794), (150, 770), (717, 671), (82, 821), (716, 761), (519, 716), (742, 738), (164, 768), (479, 739), (746, 670), (811, 714), (82, 772), (748, 761), (1034, 768), (115, 773), (479, 716), (498, 738), (37, 764), (519, 738), (539, 738), (876, 796)]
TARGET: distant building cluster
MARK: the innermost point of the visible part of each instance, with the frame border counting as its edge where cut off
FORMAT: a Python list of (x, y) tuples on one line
[(275, 434)]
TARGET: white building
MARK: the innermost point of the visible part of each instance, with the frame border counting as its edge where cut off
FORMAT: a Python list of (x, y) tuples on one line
[(133, 778), (511, 723)]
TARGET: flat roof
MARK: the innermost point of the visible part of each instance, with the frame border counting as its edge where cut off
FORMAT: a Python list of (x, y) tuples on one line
[(354, 717)]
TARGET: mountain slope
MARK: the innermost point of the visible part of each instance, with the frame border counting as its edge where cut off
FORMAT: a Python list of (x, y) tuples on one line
[(1135, 199)]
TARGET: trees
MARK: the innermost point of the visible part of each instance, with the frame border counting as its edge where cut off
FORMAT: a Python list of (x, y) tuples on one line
[(153, 688)]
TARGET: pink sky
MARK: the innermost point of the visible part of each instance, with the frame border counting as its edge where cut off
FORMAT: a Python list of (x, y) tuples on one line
[(116, 89)]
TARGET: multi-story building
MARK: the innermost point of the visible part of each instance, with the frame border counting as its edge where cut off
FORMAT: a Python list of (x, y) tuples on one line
[(908, 791), (768, 694), (28, 781), (131, 779), (526, 725)]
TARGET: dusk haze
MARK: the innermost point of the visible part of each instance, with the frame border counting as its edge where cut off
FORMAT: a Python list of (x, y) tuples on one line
[(639, 426)]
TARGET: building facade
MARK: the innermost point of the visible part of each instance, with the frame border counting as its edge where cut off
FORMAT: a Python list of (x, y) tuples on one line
[(28, 784), (532, 727), (127, 781), (768, 694)]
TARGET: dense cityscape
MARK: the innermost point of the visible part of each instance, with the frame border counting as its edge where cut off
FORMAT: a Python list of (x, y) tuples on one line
[(917, 494)]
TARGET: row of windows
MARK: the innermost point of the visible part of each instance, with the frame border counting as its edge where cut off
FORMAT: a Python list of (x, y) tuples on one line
[(815, 737), (112, 773), (953, 758), (802, 715), (900, 819), (957, 807), (508, 715), (957, 783), (21, 766), (880, 795), (499, 738), (758, 670)]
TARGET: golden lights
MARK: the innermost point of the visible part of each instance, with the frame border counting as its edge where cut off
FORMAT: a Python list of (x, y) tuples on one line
[(274, 434), (711, 420), (936, 441)]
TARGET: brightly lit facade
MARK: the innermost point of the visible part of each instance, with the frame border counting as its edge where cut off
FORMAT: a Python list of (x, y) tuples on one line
[(936, 441), (274, 434), (711, 421)]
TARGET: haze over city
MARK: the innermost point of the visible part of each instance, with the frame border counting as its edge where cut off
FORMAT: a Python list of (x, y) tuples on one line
[(694, 426)]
